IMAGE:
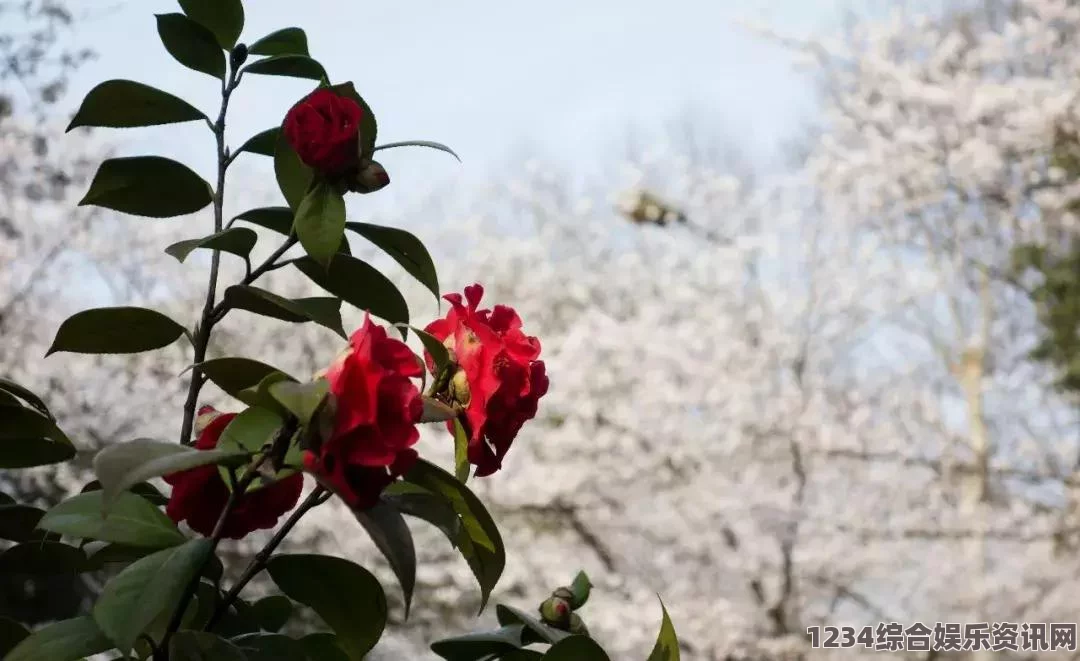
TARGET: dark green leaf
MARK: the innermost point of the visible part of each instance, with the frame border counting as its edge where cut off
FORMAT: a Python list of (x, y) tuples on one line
[(17, 522), (208, 597), (150, 186), (277, 219), (224, 18), (272, 612), (11, 634), (26, 395), (202, 646), (522, 655), (422, 504), (67, 640), (261, 143), (293, 176), (287, 41), (368, 126), (535, 630), (461, 453), (325, 311), (406, 250), (358, 284), (6, 499), (580, 588), (191, 44), (115, 330), (235, 374), (320, 222), (293, 66), (135, 597), (440, 355), (144, 489), (28, 438), (436, 411), (124, 464), (323, 647), (345, 595), (392, 537), (667, 643), (128, 104), (131, 520), (420, 143), (259, 395), (479, 540), (300, 399), (101, 554), (271, 647), (39, 558), (576, 648), (480, 645), (236, 240), (250, 430)]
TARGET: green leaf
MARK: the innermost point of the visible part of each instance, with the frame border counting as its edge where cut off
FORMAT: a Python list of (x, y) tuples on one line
[(11, 634), (277, 219), (150, 186), (325, 311), (667, 643), (300, 399), (287, 41), (26, 395), (345, 595), (320, 222), (272, 612), (420, 143), (576, 648), (224, 18), (580, 587), (478, 540), (125, 464), (250, 430), (387, 528), (131, 520), (461, 453), (191, 44), (406, 249), (422, 504), (28, 438), (67, 640), (38, 558), (271, 647), (522, 655), (480, 645), (293, 176), (128, 104), (440, 355), (135, 597), (202, 646), (17, 522), (535, 630), (238, 241), (115, 330), (358, 284), (293, 66), (235, 374), (261, 143), (323, 647), (102, 554), (145, 489), (259, 395), (238, 620), (368, 126)]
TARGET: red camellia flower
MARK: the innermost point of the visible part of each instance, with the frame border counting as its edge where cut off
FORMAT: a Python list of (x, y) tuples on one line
[(199, 494), (499, 380), (324, 130), (377, 407)]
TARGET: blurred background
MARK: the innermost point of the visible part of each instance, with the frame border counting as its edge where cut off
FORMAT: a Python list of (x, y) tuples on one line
[(805, 273)]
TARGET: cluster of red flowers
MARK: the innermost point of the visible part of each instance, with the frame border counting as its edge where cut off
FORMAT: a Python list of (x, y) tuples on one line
[(496, 383)]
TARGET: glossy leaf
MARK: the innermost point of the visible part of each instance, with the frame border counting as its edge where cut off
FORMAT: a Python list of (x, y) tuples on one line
[(478, 540), (345, 595), (535, 630), (202, 646), (462, 467), (26, 395), (300, 399), (294, 178), (238, 241), (66, 640), (580, 587), (17, 522), (323, 647), (131, 520), (387, 528), (115, 330), (276, 219), (38, 558), (223, 18), (324, 311), (135, 597), (576, 648), (358, 284), (250, 430), (261, 143), (11, 634), (404, 248), (125, 464), (272, 647), (420, 503), (440, 355), (151, 186), (128, 104), (28, 438), (259, 395), (667, 643), (100, 555), (320, 222), (235, 374), (420, 143), (293, 66), (482, 645), (287, 41), (272, 612), (143, 489), (191, 44)]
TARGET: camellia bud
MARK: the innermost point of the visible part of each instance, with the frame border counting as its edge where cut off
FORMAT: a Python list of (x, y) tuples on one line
[(556, 612), (238, 56), (371, 177), (459, 388), (577, 625)]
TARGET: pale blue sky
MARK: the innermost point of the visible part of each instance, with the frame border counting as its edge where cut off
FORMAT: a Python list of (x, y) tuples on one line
[(562, 78)]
